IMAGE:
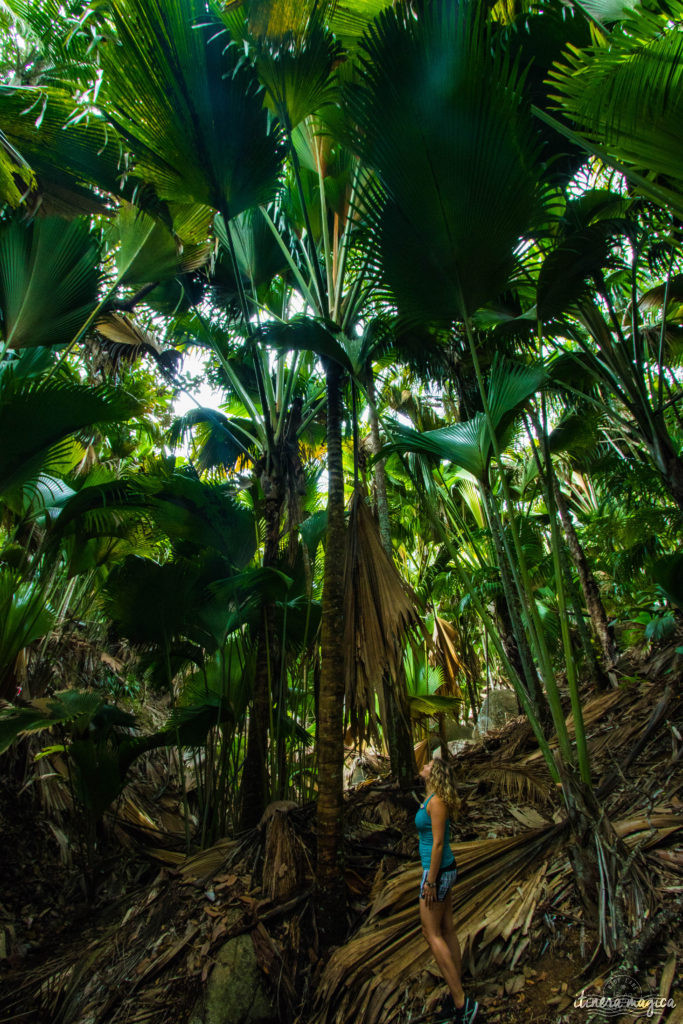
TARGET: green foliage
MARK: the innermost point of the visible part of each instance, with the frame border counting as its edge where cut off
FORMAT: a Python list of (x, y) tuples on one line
[(469, 444), (441, 120), (626, 96), (24, 617), (188, 104), (38, 419), (667, 572), (48, 281)]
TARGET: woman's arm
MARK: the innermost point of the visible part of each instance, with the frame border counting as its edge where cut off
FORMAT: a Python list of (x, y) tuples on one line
[(438, 812)]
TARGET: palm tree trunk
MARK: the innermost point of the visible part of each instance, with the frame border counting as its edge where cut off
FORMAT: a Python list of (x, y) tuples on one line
[(331, 896), (254, 788)]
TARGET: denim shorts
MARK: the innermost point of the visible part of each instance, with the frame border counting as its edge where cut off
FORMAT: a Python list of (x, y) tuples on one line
[(444, 880)]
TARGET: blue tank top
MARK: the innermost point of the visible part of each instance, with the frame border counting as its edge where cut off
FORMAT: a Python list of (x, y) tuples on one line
[(423, 824)]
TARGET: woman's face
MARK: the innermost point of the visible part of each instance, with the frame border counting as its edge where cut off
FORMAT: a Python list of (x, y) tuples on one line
[(426, 771)]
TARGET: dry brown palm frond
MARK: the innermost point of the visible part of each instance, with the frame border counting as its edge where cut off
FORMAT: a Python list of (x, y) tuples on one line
[(518, 781), (285, 859), (446, 642), (502, 882), (124, 338), (500, 885), (380, 613), (207, 863)]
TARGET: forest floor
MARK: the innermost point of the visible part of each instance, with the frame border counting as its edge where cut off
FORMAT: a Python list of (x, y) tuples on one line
[(141, 949)]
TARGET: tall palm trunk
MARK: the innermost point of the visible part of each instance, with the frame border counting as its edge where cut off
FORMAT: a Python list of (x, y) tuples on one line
[(254, 789), (330, 737)]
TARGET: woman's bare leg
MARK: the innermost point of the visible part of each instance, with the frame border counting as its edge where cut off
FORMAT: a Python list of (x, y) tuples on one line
[(449, 933), (432, 920)]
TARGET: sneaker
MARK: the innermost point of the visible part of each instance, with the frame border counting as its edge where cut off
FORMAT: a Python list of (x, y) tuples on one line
[(469, 1010), (447, 1007)]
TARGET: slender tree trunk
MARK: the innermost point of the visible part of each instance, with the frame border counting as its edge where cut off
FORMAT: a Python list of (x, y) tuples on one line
[(331, 896), (254, 788), (589, 588), (399, 732), (515, 642)]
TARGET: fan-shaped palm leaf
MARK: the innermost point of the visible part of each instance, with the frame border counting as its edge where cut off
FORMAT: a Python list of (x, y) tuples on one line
[(259, 257), (23, 617), (303, 333), (67, 154), (221, 439), (442, 121), (36, 420), (154, 604), (295, 66), (48, 281), (16, 177), (189, 106), (190, 513), (67, 706), (468, 444), (147, 250)]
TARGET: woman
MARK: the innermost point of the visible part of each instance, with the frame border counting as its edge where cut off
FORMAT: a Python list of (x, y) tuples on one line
[(439, 872)]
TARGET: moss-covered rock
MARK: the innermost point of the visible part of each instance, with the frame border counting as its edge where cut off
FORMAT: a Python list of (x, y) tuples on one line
[(235, 992)]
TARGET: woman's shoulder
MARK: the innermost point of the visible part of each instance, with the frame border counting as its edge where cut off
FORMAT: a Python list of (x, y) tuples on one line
[(437, 803)]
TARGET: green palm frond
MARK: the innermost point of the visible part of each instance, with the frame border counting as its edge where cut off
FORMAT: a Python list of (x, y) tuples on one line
[(441, 119), (61, 53), (219, 442), (349, 19), (434, 704), (37, 420), (49, 279), (68, 153), (192, 514), (468, 444), (259, 257), (67, 706), (24, 617), (153, 603), (627, 97), (568, 272), (296, 68), (188, 104), (147, 251), (16, 177), (304, 333)]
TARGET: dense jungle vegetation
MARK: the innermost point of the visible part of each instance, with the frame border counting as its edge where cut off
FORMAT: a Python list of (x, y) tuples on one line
[(340, 385)]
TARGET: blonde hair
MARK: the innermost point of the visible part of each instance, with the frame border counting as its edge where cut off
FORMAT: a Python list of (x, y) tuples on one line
[(442, 782)]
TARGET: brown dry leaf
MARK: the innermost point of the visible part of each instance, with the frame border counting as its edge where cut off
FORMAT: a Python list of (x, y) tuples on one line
[(515, 984), (501, 877), (114, 663), (447, 643), (668, 975), (380, 612)]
